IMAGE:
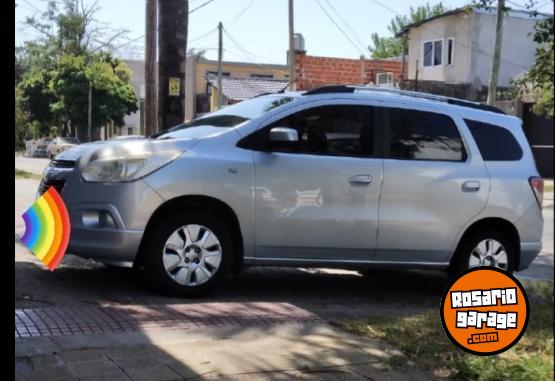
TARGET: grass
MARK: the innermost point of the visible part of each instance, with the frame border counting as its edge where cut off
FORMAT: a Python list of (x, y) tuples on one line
[(424, 344), (26, 175)]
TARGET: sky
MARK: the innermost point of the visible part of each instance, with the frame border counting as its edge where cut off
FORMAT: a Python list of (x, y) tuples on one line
[(257, 30)]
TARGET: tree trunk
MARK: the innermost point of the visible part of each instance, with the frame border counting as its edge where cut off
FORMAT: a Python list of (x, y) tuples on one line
[(173, 17), (151, 115)]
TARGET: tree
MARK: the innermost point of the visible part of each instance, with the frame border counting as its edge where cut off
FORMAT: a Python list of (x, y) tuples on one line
[(173, 19), (113, 96), (389, 47), (538, 81), (54, 72)]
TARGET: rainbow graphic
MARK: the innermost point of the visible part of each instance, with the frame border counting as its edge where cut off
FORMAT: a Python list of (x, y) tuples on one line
[(47, 228)]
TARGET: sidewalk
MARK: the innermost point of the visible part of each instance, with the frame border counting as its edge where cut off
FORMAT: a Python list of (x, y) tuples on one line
[(311, 351)]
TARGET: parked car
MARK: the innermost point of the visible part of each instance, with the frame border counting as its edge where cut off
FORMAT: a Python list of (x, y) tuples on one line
[(129, 137), (346, 177), (57, 145)]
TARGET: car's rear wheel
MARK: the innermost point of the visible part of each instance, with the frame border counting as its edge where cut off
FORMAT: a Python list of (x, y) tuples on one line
[(187, 253), (490, 247)]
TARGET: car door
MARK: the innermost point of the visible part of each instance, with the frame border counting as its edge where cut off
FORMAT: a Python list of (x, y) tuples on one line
[(317, 200), (433, 186)]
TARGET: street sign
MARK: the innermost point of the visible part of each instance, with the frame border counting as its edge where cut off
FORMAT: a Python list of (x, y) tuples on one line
[(174, 85)]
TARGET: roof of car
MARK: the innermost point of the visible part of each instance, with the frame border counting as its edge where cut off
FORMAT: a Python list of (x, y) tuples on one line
[(406, 96)]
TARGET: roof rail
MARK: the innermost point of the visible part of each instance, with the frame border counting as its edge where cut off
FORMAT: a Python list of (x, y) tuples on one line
[(415, 94)]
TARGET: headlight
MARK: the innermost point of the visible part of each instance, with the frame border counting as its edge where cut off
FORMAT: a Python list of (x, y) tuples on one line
[(127, 168)]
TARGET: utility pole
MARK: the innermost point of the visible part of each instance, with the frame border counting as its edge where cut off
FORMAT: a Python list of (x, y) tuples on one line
[(291, 48), (492, 86), (220, 53), (89, 114), (150, 104), (173, 18)]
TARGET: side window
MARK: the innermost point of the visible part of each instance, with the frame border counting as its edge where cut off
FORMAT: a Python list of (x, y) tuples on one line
[(420, 135), (342, 130), (494, 142)]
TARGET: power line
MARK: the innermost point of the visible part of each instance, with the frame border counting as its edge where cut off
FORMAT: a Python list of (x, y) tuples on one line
[(32, 5), (234, 20), (338, 27), (248, 55), (200, 6), (346, 24)]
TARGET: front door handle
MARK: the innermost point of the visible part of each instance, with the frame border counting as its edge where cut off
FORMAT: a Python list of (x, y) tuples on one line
[(361, 179), (471, 186)]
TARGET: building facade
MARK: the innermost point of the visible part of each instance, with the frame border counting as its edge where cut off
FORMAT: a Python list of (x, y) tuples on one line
[(457, 46)]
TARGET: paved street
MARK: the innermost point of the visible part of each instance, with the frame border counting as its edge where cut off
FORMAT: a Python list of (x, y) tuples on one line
[(88, 321)]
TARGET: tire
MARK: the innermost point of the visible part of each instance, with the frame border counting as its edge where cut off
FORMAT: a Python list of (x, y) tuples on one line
[(156, 256), (461, 259)]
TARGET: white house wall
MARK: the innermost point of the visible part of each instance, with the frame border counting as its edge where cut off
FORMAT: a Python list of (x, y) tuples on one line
[(517, 51), (474, 35), (456, 26)]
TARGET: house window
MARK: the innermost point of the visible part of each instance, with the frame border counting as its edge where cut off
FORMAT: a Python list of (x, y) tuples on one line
[(129, 130), (262, 76), (433, 53), (450, 47), (384, 79)]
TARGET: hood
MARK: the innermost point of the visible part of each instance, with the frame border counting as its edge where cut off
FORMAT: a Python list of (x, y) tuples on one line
[(84, 153)]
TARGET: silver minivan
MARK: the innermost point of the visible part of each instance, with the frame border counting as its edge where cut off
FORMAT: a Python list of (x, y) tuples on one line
[(345, 177)]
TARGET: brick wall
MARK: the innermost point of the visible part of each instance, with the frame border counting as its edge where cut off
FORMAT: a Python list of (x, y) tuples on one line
[(314, 71)]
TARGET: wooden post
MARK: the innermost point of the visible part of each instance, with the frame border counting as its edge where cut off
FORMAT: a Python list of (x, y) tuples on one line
[(150, 105), (220, 57), (291, 48), (492, 86)]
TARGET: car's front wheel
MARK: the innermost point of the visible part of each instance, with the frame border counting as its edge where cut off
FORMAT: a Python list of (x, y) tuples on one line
[(187, 253)]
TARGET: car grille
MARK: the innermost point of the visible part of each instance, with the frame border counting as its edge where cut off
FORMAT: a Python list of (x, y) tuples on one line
[(46, 184), (62, 163)]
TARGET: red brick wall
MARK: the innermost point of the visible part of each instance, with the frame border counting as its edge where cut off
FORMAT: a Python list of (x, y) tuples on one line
[(313, 71)]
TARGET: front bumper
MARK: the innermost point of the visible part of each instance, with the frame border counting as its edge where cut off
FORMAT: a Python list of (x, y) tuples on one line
[(107, 220), (105, 245)]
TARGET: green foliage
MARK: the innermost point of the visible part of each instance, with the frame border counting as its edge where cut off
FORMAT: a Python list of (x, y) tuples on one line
[(424, 344), (538, 81), (388, 47), (54, 73)]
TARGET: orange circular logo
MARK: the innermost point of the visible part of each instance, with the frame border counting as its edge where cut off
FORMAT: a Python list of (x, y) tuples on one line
[(485, 311)]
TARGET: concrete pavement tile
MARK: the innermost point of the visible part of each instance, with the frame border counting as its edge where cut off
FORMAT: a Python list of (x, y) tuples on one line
[(142, 362), (35, 346), (116, 353), (182, 369), (116, 376), (46, 362), (83, 355), (86, 341), (53, 374), (92, 368), (161, 373)]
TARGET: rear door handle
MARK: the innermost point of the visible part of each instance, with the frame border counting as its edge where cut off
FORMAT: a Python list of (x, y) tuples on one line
[(471, 186), (361, 179)]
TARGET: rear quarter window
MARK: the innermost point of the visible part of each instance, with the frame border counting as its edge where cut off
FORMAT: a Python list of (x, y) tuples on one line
[(495, 143)]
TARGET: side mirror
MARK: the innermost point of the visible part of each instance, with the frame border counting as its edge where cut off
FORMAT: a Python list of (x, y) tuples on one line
[(282, 135)]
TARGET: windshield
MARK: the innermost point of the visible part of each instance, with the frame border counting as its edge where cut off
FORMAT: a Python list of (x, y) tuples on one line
[(226, 117)]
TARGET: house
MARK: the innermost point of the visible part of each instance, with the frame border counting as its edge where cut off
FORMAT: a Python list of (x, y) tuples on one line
[(456, 47), (238, 89), (200, 72), (133, 124)]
